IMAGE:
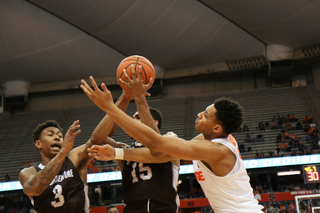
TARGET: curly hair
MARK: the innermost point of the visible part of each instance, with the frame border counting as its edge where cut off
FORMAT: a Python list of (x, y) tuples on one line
[(229, 114), (41, 127)]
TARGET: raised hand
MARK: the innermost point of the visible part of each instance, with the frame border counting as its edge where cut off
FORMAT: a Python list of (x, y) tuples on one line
[(135, 85), (105, 152), (68, 141), (102, 98)]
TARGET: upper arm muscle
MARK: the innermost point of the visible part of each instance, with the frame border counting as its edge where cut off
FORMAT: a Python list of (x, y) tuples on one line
[(79, 156), (190, 150)]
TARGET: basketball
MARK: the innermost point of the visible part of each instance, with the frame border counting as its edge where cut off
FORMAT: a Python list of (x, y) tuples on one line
[(147, 69)]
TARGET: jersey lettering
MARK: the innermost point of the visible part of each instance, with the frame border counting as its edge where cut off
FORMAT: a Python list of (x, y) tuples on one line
[(199, 176), (60, 178), (145, 172), (57, 190)]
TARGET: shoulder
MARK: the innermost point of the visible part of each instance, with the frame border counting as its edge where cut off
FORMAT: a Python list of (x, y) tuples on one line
[(224, 144), (218, 145)]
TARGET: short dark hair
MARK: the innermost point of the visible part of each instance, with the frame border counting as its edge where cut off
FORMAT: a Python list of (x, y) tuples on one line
[(41, 127), (230, 114), (110, 207), (156, 115)]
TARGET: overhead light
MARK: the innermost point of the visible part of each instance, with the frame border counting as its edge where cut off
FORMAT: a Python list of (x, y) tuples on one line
[(289, 173)]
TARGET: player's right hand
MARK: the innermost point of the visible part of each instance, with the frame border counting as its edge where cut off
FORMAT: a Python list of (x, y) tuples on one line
[(104, 152), (102, 98)]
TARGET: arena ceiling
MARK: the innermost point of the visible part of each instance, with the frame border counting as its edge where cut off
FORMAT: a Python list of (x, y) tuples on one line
[(65, 40)]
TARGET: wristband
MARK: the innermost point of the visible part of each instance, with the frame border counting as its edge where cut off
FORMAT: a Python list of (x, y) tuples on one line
[(118, 154)]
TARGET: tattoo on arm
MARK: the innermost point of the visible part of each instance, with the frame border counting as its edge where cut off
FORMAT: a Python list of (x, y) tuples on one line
[(47, 174), (41, 180)]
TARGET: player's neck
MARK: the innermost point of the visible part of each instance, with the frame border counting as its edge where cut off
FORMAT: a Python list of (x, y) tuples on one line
[(214, 136), (45, 160)]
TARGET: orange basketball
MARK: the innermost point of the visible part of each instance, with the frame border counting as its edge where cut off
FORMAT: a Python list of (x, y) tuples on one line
[(136, 60)]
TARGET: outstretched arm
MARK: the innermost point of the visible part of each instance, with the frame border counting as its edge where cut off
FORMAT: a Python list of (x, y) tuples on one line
[(33, 182), (107, 126), (139, 91), (173, 146), (143, 155)]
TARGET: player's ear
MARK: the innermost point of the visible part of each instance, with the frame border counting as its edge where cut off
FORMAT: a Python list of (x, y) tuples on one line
[(157, 122), (38, 144), (217, 129)]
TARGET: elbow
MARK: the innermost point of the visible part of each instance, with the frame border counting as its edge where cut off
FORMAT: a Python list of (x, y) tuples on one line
[(156, 154), (154, 146), (95, 139), (33, 190)]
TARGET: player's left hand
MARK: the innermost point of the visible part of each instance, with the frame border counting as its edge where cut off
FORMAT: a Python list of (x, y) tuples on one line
[(105, 152), (68, 141), (101, 98)]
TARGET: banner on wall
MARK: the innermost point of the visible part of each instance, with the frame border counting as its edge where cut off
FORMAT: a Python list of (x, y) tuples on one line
[(188, 169)]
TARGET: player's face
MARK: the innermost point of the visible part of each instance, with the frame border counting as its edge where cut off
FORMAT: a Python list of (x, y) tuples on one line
[(206, 121), (51, 138)]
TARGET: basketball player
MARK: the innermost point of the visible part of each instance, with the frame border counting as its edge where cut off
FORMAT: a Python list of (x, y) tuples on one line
[(218, 166), (59, 183), (142, 173)]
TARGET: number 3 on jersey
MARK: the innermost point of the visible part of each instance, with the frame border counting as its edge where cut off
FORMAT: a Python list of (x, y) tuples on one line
[(57, 190), (144, 171)]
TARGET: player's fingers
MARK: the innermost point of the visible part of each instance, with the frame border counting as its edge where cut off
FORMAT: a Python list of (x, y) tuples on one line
[(74, 126), (140, 72), (126, 84), (85, 85), (122, 81), (85, 91), (92, 154), (94, 84), (149, 84), (105, 89), (75, 123), (76, 133), (93, 147), (147, 94), (126, 76), (133, 72), (151, 80)]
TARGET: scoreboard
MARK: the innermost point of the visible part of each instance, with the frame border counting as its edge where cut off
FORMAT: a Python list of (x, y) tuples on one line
[(311, 173)]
